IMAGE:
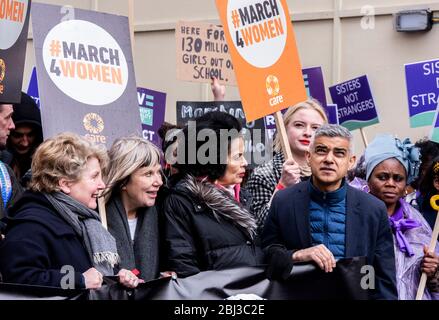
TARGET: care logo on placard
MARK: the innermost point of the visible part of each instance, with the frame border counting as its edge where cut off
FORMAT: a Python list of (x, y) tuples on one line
[(272, 85), (273, 89), (258, 30), (85, 62), (94, 124), (12, 18)]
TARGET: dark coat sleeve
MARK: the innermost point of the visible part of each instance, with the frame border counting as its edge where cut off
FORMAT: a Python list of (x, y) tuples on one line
[(17, 189), (179, 242), (272, 232), (279, 258), (27, 261), (384, 260)]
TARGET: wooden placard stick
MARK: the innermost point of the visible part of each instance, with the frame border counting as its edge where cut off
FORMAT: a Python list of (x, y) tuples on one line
[(282, 132), (363, 135)]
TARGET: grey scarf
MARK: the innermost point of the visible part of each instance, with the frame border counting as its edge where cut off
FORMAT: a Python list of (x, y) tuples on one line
[(86, 223), (143, 252)]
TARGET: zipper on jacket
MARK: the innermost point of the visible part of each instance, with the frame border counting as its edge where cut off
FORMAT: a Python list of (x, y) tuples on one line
[(325, 226)]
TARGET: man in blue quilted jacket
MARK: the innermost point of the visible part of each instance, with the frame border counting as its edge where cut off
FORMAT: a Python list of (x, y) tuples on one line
[(324, 219)]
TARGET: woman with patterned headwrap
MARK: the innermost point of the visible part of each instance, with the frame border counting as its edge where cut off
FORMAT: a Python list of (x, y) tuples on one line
[(390, 165)]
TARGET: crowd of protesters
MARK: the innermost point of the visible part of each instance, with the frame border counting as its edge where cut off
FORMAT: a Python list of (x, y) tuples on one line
[(185, 209)]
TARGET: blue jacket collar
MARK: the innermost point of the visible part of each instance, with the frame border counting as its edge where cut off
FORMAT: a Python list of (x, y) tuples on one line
[(327, 197)]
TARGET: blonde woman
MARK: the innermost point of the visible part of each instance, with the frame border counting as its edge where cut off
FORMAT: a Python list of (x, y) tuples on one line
[(301, 122), (55, 224), (134, 178)]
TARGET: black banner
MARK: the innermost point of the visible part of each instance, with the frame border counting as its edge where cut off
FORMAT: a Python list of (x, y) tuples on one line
[(306, 282), (254, 132), (14, 24)]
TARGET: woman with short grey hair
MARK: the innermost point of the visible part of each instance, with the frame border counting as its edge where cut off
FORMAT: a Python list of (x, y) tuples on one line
[(134, 178)]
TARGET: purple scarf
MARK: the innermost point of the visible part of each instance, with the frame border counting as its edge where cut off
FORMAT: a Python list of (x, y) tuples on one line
[(399, 226)]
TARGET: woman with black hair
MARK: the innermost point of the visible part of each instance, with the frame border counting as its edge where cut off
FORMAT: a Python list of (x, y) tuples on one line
[(207, 225), (428, 187)]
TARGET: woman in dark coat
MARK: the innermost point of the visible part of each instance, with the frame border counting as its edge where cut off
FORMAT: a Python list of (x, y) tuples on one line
[(53, 232), (134, 178), (207, 225)]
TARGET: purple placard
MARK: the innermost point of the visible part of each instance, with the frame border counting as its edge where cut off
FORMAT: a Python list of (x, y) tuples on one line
[(332, 113), (152, 106), (356, 107), (32, 89), (314, 84), (422, 80), (315, 88), (434, 135)]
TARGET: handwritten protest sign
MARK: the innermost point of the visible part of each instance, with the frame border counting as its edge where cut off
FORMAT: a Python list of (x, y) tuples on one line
[(356, 107), (14, 24), (85, 73), (253, 132), (264, 53), (152, 106), (203, 53), (422, 80)]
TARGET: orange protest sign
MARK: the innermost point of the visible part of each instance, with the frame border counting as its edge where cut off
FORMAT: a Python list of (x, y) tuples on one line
[(264, 53)]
